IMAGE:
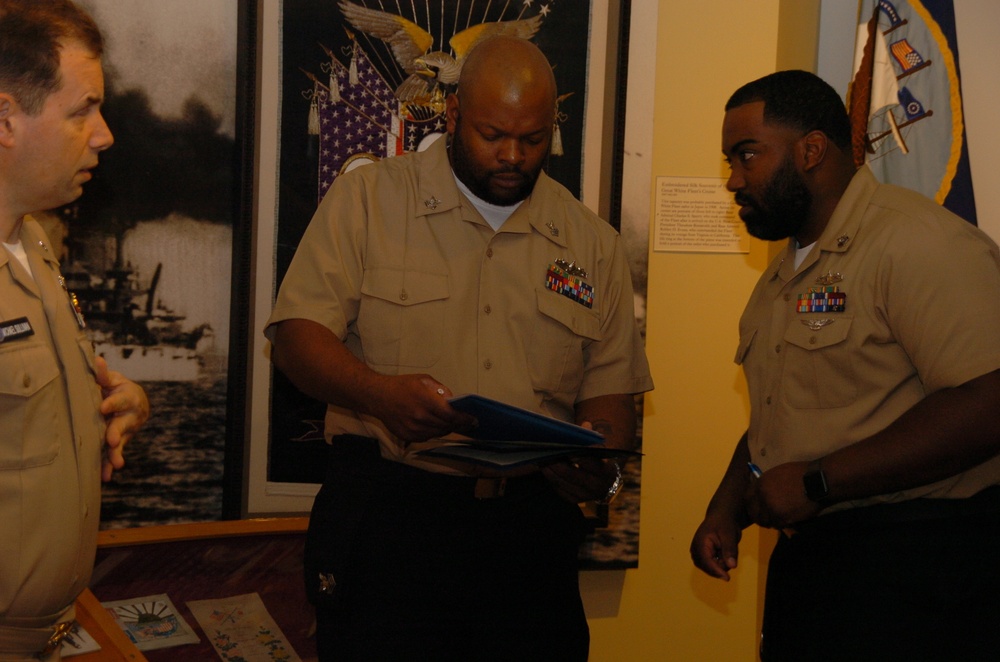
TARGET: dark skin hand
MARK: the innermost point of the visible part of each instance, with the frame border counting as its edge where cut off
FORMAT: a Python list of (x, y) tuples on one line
[(588, 479), (715, 546), (410, 406)]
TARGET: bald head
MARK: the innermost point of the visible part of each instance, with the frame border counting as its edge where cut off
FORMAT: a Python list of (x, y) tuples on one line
[(500, 119), (513, 68)]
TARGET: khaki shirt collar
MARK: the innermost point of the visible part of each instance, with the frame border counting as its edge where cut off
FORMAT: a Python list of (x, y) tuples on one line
[(438, 193), (436, 189), (842, 228), (34, 242)]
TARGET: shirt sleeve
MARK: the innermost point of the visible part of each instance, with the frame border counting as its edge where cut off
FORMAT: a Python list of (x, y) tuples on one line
[(323, 281), (941, 293), (617, 362)]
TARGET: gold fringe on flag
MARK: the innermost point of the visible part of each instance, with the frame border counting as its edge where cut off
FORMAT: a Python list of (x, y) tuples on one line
[(313, 128)]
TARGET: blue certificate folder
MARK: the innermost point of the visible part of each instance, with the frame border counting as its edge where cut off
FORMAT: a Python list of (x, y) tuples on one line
[(508, 436)]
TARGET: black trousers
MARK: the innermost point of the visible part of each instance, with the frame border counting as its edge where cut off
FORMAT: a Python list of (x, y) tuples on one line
[(403, 564), (913, 581)]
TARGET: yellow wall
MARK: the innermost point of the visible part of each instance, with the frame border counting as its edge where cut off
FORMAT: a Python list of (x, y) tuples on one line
[(667, 610)]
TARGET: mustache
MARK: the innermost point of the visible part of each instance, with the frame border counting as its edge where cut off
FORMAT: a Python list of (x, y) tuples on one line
[(507, 170)]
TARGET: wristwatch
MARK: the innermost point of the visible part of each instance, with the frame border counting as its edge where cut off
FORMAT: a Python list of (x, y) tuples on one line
[(616, 486), (814, 481)]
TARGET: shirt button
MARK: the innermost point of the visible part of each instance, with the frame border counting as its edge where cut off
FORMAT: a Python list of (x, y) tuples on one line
[(788, 297), (26, 381), (403, 296), (487, 309), (489, 252), (763, 452), (777, 348), (487, 364), (768, 400), (812, 341)]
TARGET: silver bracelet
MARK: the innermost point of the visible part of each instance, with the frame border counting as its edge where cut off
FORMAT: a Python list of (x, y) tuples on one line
[(616, 486)]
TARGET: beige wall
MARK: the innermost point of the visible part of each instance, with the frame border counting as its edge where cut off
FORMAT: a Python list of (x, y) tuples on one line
[(666, 609)]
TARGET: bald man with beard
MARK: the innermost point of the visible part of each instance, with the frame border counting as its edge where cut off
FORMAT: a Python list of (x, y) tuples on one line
[(425, 276)]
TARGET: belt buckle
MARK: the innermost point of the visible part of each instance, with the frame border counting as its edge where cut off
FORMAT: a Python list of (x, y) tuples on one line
[(59, 632), (490, 488)]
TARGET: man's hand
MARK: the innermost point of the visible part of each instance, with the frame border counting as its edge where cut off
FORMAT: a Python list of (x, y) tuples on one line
[(415, 408), (126, 408), (715, 546), (778, 498), (581, 479)]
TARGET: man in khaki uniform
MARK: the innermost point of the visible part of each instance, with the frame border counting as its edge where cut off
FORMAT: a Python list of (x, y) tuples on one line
[(433, 274), (63, 414), (870, 353)]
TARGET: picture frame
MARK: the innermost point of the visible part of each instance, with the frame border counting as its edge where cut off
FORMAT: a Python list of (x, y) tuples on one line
[(600, 112), (157, 250)]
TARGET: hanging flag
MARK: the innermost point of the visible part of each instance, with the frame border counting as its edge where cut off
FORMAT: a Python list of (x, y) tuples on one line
[(905, 100)]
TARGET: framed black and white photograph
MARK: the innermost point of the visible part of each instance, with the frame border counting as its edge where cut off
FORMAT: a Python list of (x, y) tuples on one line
[(152, 246)]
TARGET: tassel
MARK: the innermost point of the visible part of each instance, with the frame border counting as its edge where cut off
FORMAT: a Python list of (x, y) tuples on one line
[(313, 117), (334, 89), (353, 78), (557, 146)]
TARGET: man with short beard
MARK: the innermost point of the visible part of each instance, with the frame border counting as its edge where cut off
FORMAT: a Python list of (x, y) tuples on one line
[(869, 348), (428, 275)]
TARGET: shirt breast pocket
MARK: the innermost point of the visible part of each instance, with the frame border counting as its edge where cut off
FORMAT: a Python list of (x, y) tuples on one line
[(400, 318), (555, 346), (30, 411), (819, 371)]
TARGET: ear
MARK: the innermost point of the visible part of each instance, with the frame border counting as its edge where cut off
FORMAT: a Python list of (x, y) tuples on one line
[(451, 112), (7, 110), (813, 148)]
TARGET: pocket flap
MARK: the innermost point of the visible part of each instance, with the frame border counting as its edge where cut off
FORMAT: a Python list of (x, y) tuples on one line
[(575, 317), (405, 288), (818, 332), (26, 369), (745, 342)]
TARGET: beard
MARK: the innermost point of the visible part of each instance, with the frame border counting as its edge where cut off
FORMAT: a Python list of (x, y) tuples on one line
[(781, 209), (478, 178)]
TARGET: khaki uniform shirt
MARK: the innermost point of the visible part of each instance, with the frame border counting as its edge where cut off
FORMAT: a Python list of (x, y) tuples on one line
[(51, 438), (921, 310), (400, 265)]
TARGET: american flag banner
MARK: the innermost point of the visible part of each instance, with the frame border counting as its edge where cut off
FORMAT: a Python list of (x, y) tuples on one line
[(905, 100), (361, 122)]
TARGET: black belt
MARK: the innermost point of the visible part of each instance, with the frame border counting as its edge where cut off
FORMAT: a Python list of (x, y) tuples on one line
[(358, 453), (984, 503)]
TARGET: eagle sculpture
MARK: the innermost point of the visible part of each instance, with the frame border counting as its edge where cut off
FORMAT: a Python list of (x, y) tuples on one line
[(411, 46)]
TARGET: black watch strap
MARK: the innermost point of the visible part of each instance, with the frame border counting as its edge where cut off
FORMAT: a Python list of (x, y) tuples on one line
[(814, 481)]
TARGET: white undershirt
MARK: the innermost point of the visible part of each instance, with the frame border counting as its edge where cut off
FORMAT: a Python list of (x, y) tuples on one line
[(17, 250), (801, 252), (495, 215)]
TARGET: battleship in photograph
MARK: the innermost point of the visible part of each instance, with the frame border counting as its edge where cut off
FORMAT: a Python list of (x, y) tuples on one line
[(132, 329)]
